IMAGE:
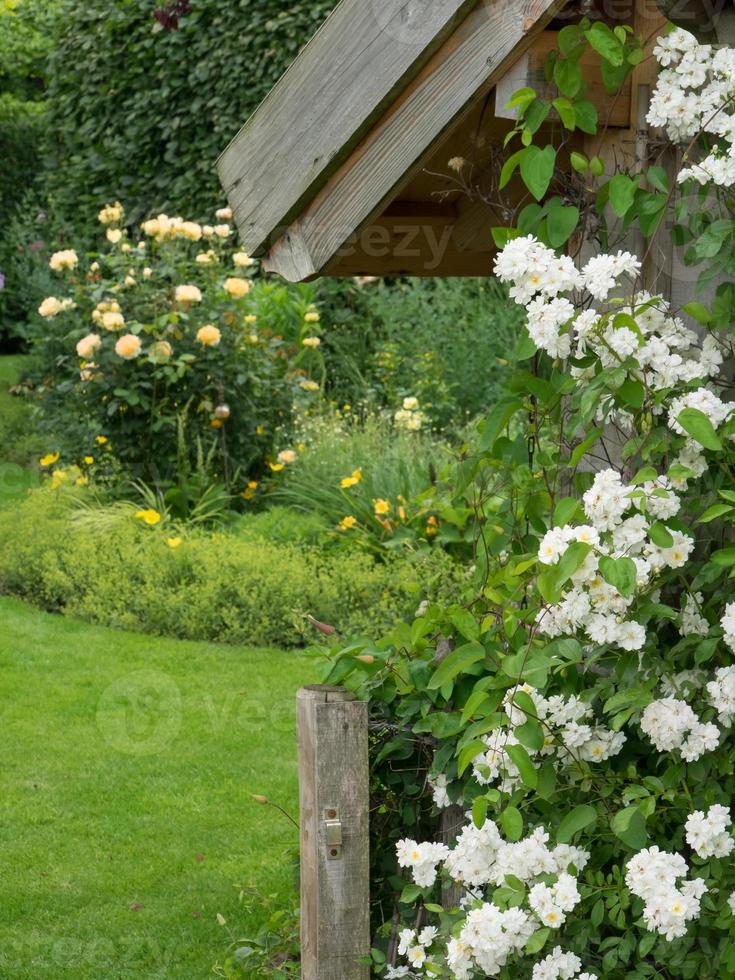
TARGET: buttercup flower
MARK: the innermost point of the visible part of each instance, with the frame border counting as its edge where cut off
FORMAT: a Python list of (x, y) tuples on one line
[(49, 459), (150, 517), (174, 543), (347, 523), (352, 480), (382, 507), (128, 346), (209, 335)]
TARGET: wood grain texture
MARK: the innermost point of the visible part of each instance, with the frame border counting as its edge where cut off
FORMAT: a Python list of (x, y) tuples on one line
[(335, 894), (344, 79), (462, 71)]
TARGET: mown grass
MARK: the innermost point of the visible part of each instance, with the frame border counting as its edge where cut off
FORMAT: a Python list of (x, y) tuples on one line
[(125, 813)]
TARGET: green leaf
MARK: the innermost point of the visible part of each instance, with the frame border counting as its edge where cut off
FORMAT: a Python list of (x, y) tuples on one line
[(584, 447), (566, 111), (579, 162), (468, 753), (561, 222), (699, 312), (660, 535), (409, 894), (512, 823), (604, 41), (479, 812), (658, 179), (536, 115), (579, 818), (715, 511), (700, 428), (509, 168), (622, 193), (465, 624), (530, 734), (537, 169), (568, 77), (537, 941), (629, 826), (587, 118), (523, 762), (621, 573), (522, 98), (455, 663), (725, 557)]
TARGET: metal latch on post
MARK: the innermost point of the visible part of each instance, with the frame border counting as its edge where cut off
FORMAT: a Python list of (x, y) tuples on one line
[(333, 833)]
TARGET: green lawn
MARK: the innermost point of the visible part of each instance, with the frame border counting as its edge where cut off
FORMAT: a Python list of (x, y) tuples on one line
[(125, 814)]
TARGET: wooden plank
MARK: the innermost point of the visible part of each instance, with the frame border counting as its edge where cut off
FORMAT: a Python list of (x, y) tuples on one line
[(345, 78), (335, 880), (464, 69)]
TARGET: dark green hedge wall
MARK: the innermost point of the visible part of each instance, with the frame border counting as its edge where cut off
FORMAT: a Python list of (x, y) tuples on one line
[(140, 111)]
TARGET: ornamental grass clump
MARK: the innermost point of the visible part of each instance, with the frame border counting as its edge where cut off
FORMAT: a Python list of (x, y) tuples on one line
[(577, 708)]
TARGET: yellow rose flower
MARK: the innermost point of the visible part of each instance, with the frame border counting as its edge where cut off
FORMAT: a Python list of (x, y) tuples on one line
[(150, 517), (50, 307), (287, 456), (312, 317), (242, 260), (309, 385), (209, 335), (49, 459), (128, 346), (65, 259), (113, 235), (188, 294), (161, 350), (190, 230), (311, 342), (88, 345), (111, 213), (206, 258), (147, 272), (222, 231), (250, 319), (112, 320), (129, 281), (237, 287), (223, 214)]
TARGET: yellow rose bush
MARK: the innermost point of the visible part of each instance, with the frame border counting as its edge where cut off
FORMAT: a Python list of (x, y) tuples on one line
[(159, 341)]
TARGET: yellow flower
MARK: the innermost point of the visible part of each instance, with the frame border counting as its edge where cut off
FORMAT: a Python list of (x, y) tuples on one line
[(432, 527), (242, 260), (253, 485), (250, 319), (311, 341), (260, 430), (114, 235), (382, 507), (347, 523), (51, 306), (174, 542), (309, 385), (247, 494), (147, 272), (209, 335), (150, 517), (188, 294), (49, 459), (276, 467), (287, 456), (128, 346), (215, 424), (100, 440), (129, 281), (351, 481), (237, 287), (312, 317), (221, 231), (88, 345), (206, 258), (88, 460), (82, 481), (161, 350), (111, 213), (190, 230), (111, 320), (66, 259), (57, 478), (223, 214)]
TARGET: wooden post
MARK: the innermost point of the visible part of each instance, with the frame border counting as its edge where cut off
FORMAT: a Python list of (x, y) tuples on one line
[(335, 866)]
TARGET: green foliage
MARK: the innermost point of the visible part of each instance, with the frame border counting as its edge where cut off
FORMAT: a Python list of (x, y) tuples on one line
[(392, 340), (220, 587), (149, 126)]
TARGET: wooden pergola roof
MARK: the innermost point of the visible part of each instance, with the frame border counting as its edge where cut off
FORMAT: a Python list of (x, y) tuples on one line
[(342, 170)]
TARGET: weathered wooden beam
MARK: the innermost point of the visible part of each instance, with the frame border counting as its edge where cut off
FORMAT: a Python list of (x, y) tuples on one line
[(345, 78), (464, 69), (335, 867)]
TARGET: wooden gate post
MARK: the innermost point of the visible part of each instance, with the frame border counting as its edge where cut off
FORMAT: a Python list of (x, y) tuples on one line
[(335, 853)]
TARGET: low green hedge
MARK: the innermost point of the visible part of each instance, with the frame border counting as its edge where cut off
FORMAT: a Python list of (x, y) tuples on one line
[(214, 586)]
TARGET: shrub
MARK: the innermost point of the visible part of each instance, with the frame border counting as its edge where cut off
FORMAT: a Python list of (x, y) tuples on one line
[(205, 586), (158, 348), (164, 88)]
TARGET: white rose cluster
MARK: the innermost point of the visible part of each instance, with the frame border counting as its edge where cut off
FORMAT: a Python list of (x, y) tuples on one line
[(559, 965), (414, 946), (590, 604), (672, 724), (721, 692), (691, 620), (481, 857), (708, 834), (728, 624), (653, 875), (704, 401), (694, 94)]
